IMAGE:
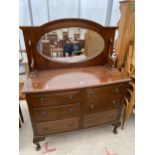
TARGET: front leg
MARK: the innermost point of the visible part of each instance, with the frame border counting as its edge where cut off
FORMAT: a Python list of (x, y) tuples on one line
[(36, 141), (116, 125)]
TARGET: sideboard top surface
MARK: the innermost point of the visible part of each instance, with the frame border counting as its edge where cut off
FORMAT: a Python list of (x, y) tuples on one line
[(75, 78)]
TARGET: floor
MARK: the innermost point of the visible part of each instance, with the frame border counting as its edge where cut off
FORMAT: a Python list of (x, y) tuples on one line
[(94, 141)]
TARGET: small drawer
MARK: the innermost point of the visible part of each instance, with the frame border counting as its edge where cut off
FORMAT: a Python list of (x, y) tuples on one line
[(101, 105), (56, 112), (106, 92), (100, 118), (58, 126), (54, 99)]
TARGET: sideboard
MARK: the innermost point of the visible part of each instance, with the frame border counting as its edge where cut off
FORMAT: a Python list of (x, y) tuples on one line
[(65, 97)]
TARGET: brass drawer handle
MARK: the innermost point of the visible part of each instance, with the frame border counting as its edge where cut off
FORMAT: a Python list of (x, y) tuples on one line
[(90, 120), (45, 128), (45, 114), (92, 106), (104, 88), (114, 102), (116, 90), (78, 104), (93, 94), (70, 97), (70, 124), (42, 100), (70, 110), (111, 116)]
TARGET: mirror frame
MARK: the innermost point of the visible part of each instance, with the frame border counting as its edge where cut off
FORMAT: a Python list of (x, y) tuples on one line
[(38, 62)]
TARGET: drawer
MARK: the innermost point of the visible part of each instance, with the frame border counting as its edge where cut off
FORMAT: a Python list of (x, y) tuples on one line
[(114, 91), (100, 118), (58, 126), (56, 112), (101, 105), (54, 99)]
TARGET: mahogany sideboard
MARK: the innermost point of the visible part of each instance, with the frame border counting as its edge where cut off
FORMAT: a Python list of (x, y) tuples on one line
[(64, 97)]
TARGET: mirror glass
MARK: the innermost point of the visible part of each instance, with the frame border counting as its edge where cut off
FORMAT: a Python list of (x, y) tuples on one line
[(71, 44)]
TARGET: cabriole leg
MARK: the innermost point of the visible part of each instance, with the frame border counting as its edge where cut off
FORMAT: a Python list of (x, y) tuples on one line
[(36, 142), (116, 125)]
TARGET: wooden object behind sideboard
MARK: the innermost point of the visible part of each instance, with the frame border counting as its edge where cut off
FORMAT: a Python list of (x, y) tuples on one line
[(126, 30)]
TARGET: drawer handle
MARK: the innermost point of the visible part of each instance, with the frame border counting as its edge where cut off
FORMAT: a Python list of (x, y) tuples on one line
[(93, 94), (90, 120), (114, 102), (116, 90), (70, 97), (78, 104), (70, 124), (42, 100), (70, 110), (92, 106), (45, 128), (45, 114), (111, 116), (104, 88)]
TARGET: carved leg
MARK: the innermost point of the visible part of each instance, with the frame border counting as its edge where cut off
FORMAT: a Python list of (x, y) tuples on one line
[(36, 141), (116, 125)]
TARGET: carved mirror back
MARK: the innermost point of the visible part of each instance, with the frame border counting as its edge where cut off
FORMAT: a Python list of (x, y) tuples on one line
[(68, 43)]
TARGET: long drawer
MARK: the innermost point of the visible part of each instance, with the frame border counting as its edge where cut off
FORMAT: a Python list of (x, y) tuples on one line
[(58, 126), (54, 99), (56, 112), (100, 118), (106, 92), (101, 105)]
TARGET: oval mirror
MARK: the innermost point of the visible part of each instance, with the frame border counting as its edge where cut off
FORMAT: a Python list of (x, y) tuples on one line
[(71, 44)]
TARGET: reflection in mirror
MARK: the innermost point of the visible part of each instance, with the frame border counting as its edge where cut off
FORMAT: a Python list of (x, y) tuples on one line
[(71, 44)]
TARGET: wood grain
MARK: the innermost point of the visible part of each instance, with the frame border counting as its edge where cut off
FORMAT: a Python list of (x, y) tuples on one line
[(100, 118), (67, 79), (33, 33), (59, 96), (126, 30)]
